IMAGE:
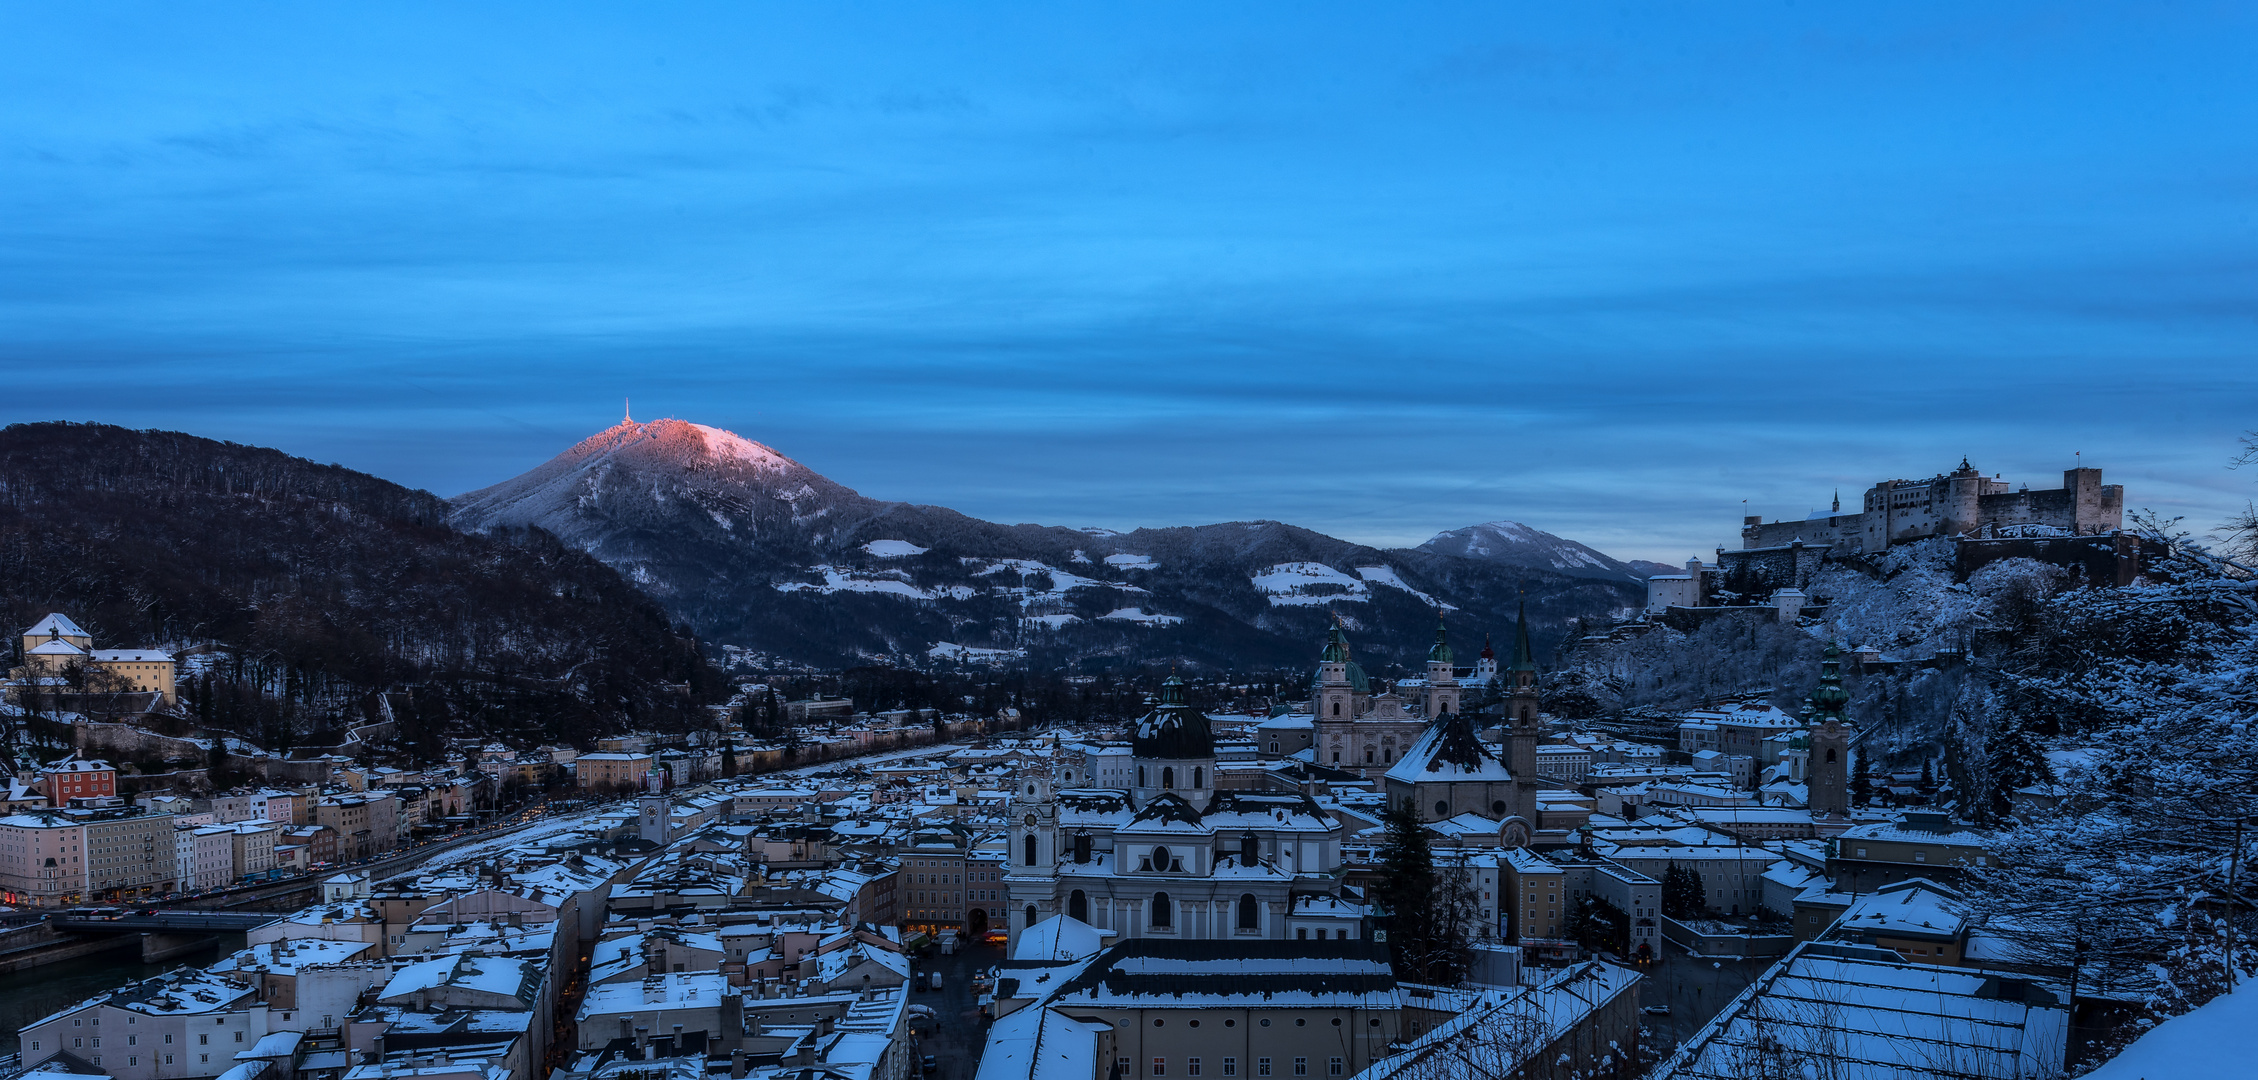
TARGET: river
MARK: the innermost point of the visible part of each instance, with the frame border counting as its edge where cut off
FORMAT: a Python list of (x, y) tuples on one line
[(37, 993)]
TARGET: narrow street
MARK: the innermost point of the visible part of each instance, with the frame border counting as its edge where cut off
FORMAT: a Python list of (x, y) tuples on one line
[(959, 1032)]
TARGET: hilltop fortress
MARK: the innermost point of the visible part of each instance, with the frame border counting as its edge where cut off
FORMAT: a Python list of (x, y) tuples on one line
[(2077, 525), (1958, 503)]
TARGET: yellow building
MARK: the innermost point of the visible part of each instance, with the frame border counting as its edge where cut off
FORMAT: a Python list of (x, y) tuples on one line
[(54, 644)]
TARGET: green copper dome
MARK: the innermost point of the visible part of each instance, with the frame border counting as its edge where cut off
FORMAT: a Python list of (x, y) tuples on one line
[(1829, 699), (1440, 654), (1336, 647)]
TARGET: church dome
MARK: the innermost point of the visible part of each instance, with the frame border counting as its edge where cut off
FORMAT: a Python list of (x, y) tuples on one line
[(1173, 731)]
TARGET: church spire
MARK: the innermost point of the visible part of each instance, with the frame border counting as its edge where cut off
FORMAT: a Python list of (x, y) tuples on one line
[(1440, 654), (1524, 657)]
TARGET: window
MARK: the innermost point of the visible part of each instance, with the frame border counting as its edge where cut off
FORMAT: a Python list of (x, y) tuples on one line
[(1028, 845), (132, 1059), (1262, 1066), (1191, 1066), (1442, 808), (203, 1059), (1333, 1066), (1124, 1066), (168, 1059), (1162, 912), (1140, 776), (1160, 1066), (1160, 858), (133, 1040), (1230, 1066), (1368, 755), (1301, 1066), (1249, 912)]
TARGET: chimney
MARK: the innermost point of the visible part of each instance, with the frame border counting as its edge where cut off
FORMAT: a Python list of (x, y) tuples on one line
[(626, 1027), (732, 1022), (736, 1065), (823, 1026)]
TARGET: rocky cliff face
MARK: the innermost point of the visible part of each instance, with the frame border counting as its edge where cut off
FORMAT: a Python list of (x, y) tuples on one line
[(761, 553)]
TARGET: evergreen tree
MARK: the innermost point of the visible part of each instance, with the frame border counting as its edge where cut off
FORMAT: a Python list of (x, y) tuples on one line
[(1682, 894), (1407, 883), (2016, 760)]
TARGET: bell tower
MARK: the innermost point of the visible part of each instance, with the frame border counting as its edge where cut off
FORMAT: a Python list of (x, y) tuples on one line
[(1521, 728), (1442, 692), (1034, 828), (1829, 768), (1336, 696)]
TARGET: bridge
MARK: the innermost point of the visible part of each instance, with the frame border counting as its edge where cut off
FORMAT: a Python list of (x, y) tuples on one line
[(163, 922)]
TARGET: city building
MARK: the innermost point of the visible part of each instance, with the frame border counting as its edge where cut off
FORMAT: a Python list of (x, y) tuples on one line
[(1171, 857), (54, 646), (78, 778), (57, 858)]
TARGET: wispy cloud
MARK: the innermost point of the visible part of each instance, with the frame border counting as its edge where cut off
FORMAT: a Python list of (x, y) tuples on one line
[(1608, 273)]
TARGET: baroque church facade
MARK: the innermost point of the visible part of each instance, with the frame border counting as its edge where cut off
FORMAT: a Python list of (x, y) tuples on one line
[(1161, 852), (1170, 856)]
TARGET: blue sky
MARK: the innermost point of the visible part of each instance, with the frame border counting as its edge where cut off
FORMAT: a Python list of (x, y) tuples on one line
[(1380, 270)]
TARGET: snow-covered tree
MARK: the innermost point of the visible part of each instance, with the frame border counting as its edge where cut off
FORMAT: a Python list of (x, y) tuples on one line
[(2130, 875)]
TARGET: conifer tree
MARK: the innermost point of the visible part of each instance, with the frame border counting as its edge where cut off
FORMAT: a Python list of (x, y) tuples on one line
[(1407, 883), (1682, 894)]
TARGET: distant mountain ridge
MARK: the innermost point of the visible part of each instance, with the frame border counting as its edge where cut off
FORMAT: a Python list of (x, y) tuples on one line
[(757, 551), (1521, 545)]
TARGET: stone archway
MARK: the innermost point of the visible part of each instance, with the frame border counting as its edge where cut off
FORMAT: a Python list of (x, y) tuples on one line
[(977, 921)]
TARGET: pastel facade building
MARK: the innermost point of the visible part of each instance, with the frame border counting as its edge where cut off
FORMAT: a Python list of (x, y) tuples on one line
[(55, 645)]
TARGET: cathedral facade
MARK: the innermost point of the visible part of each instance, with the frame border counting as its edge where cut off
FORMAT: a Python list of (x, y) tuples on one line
[(1168, 856)]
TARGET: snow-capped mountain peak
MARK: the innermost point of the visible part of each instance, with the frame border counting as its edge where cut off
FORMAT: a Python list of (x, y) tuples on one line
[(1517, 544), (754, 549)]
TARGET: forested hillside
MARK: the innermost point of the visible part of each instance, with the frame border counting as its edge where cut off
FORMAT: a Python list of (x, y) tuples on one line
[(314, 585)]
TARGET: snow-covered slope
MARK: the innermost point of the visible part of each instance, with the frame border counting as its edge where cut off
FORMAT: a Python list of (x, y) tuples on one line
[(1516, 544), (756, 550)]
